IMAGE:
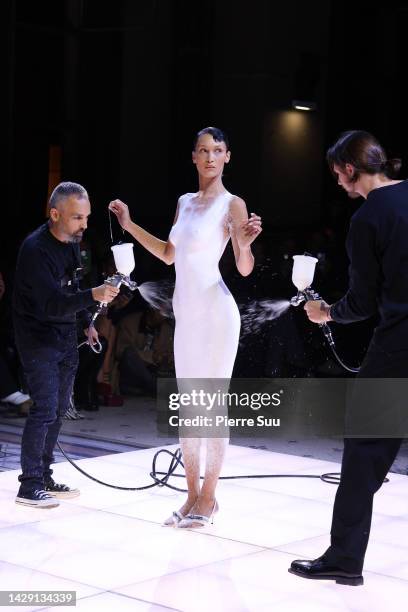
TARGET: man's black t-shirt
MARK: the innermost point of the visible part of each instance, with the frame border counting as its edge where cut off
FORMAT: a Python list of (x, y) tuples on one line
[(377, 246), (45, 300)]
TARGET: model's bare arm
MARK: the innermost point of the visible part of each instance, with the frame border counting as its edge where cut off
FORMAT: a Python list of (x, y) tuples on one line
[(244, 230), (163, 249)]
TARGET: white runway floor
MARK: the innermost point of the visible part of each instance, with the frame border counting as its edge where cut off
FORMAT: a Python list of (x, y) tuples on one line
[(109, 546)]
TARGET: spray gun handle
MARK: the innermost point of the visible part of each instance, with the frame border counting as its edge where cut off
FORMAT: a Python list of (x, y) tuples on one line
[(103, 306), (311, 295), (116, 280)]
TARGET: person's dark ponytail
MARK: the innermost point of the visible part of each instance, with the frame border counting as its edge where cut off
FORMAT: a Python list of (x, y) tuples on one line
[(363, 151), (391, 167)]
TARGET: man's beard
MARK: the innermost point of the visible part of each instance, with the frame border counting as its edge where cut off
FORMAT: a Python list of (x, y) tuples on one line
[(76, 237)]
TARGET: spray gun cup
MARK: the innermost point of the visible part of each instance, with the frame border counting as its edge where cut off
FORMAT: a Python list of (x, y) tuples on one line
[(303, 271), (124, 258)]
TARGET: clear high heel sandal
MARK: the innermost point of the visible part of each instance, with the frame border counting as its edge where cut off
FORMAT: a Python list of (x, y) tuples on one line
[(194, 521), (174, 519)]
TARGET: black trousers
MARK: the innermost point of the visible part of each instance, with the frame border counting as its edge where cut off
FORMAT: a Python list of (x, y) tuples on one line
[(50, 373), (366, 462)]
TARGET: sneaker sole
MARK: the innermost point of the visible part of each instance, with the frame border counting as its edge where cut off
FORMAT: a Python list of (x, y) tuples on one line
[(45, 503), (65, 494)]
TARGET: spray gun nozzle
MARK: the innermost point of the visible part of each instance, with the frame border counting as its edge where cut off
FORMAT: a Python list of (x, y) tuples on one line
[(297, 299), (304, 296)]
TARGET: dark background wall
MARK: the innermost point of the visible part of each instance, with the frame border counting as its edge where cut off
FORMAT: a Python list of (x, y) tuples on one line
[(121, 88)]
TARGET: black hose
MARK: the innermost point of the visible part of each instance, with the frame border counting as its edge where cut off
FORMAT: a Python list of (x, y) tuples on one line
[(330, 478), (330, 340), (346, 367)]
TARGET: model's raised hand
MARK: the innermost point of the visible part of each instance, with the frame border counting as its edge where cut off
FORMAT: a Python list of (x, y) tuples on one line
[(249, 230), (121, 210)]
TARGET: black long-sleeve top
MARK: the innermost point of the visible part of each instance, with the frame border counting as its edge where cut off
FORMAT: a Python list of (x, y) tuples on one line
[(377, 247), (45, 300)]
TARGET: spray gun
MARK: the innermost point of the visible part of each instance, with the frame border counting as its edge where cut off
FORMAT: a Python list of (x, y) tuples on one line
[(302, 277), (125, 263)]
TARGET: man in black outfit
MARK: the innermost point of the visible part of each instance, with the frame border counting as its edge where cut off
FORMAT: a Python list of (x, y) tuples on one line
[(46, 301), (377, 247)]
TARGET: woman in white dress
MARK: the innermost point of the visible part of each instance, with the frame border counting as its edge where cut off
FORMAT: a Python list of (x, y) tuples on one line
[(207, 318)]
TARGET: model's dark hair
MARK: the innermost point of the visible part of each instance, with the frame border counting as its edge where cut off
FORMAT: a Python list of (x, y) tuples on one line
[(363, 151), (216, 133), (64, 190)]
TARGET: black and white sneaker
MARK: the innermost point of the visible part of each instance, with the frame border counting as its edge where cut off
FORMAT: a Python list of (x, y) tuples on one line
[(61, 491), (72, 414), (37, 499)]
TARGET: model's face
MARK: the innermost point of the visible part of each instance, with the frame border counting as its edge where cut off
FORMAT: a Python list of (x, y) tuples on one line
[(210, 156), (71, 217)]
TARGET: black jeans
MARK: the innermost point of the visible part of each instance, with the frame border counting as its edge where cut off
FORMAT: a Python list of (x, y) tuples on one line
[(366, 462), (50, 373)]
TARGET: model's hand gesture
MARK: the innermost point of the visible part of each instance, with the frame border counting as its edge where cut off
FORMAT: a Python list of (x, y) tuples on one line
[(248, 231), (121, 211)]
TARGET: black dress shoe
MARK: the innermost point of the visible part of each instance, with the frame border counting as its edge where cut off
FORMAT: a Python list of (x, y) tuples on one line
[(320, 569)]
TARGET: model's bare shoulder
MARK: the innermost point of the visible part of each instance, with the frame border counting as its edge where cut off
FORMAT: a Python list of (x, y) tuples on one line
[(186, 196), (237, 204), (237, 207)]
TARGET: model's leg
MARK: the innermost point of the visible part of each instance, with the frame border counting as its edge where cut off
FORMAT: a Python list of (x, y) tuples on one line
[(215, 451), (190, 448), (216, 448), (206, 504)]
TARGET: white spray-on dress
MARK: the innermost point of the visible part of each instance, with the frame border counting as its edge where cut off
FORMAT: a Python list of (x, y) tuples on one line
[(207, 317)]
